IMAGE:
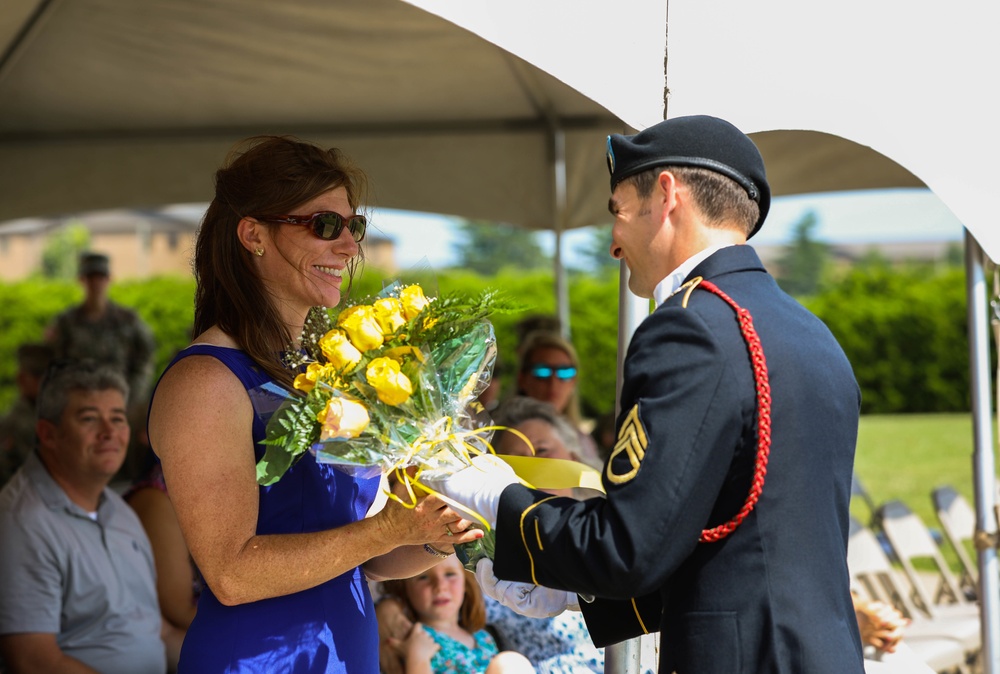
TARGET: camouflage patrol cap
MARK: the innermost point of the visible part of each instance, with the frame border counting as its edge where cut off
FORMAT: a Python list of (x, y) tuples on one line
[(94, 263)]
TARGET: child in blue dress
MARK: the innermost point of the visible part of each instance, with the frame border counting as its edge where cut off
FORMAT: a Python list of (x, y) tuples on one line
[(446, 617)]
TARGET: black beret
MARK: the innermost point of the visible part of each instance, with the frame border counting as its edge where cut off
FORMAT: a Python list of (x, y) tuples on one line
[(93, 263), (699, 141)]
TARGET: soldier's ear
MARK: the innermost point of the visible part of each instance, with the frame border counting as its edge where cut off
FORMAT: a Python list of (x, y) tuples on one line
[(250, 233), (667, 191)]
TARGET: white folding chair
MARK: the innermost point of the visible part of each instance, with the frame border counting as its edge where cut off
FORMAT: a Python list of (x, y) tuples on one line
[(944, 643), (911, 540), (958, 522)]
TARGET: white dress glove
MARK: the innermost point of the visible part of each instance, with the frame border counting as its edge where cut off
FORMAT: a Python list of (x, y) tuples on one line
[(477, 488), (529, 600)]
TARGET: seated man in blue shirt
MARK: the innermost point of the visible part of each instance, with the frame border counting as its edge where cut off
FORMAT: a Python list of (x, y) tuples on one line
[(79, 590)]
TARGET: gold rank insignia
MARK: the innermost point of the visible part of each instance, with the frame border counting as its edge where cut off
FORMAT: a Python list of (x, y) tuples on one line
[(631, 440)]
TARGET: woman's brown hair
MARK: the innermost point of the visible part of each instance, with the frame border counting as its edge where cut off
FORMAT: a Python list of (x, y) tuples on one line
[(263, 175), (472, 614)]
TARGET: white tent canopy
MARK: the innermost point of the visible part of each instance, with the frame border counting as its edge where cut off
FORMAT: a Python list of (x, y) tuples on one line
[(109, 103), (910, 81)]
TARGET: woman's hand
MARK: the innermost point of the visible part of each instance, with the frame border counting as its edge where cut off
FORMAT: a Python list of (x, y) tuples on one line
[(430, 521)]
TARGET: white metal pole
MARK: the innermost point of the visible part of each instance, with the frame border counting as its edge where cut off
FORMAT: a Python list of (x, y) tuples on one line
[(625, 657), (984, 469), (562, 290)]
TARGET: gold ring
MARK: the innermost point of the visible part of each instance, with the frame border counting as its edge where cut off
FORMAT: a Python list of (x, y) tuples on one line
[(448, 529)]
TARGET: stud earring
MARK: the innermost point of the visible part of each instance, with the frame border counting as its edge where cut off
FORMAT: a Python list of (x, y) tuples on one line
[(259, 252)]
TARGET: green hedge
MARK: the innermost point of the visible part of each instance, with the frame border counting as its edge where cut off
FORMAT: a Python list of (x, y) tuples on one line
[(903, 330), (905, 333), (165, 303)]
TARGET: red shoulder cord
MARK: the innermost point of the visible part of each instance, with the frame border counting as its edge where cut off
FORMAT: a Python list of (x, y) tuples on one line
[(763, 388)]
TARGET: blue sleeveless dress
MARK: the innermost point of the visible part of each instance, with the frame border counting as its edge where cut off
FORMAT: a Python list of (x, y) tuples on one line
[(329, 628)]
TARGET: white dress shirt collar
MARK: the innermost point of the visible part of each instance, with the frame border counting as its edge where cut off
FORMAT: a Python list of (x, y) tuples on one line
[(669, 285)]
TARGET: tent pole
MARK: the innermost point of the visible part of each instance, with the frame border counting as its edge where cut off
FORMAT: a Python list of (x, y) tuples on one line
[(562, 290), (984, 469), (625, 657)]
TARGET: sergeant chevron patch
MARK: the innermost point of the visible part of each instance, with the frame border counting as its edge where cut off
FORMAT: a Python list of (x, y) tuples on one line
[(631, 440)]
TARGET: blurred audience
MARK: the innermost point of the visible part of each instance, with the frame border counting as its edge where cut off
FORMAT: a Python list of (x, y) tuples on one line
[(560, 644), (548, 371), (17, 426), (551, 435), (79, 588), (604, 435), (536, 322), (490, 397), (434, 622)]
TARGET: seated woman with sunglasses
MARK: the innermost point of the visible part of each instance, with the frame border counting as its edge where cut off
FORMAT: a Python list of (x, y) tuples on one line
[(548, 372), (284, 566)]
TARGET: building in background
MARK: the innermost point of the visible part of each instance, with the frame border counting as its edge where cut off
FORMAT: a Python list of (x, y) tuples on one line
[(140, 243)]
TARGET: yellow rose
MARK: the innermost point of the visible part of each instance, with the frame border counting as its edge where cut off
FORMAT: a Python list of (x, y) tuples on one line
[(360, 325), (343, 419), (339, 351), (413, 300), (392, 386), (389, 314), (307, 380)]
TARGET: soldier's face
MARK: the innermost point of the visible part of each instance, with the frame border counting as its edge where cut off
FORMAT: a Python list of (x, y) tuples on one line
[(640, 237), (91, 439), (95, 285)]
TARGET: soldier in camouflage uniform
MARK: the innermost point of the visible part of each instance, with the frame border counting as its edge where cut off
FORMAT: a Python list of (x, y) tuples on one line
[(17, 426), (103, 331)]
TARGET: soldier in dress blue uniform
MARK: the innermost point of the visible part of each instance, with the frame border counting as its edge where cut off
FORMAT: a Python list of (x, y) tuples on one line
[(726, 519)]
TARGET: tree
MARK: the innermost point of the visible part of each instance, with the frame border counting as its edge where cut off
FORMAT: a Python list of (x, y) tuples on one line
[(62, 250), (488, 247), (801, 267)]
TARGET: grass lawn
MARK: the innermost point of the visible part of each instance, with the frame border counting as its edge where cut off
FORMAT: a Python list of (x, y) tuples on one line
[(906, 456)]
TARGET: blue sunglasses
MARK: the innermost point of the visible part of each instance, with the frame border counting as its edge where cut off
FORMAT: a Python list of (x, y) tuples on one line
[(546, 372)]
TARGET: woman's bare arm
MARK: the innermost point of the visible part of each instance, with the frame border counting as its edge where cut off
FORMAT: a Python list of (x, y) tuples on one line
[(200, 426)]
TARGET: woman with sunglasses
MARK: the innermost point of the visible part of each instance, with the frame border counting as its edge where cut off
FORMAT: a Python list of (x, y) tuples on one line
[(548, 372), (285, 566)]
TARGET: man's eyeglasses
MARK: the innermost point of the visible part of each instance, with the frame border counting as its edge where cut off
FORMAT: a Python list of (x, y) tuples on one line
[(327, 225), (545, 372)]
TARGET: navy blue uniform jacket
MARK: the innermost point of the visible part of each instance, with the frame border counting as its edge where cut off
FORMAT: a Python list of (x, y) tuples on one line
[(774, 596)]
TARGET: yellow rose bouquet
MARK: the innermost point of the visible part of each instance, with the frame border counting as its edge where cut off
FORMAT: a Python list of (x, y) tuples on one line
[(387, 384)]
